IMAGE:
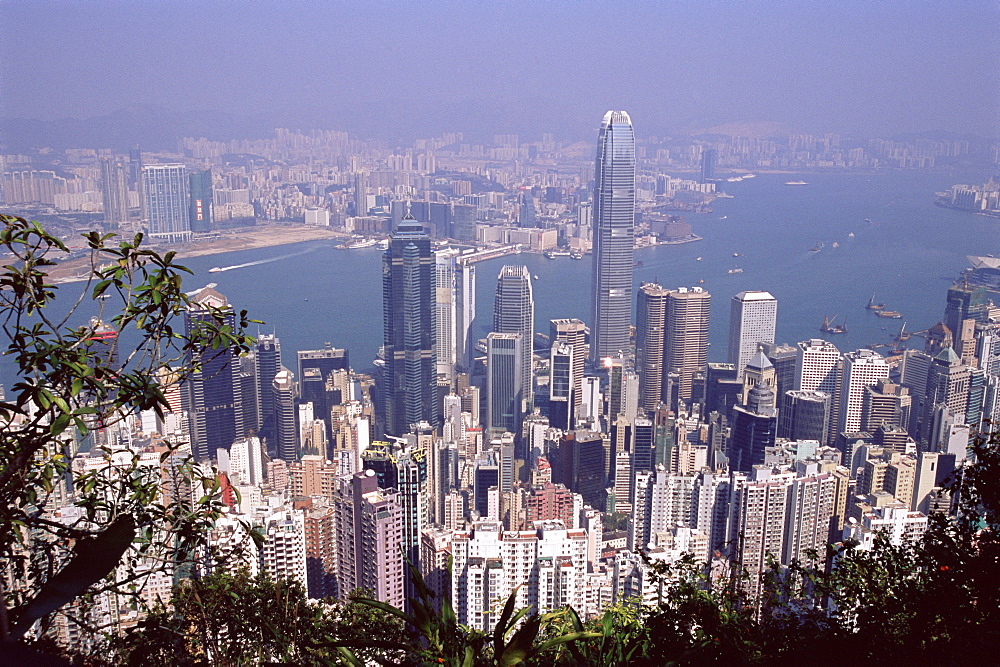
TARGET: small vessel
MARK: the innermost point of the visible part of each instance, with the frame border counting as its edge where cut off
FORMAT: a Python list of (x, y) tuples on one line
[(749, 175), (835, 245), (851, 235), (701, 282), (576, 255), (829, 327), (735, 269), (891, 314), (816, 248), (737, 254), (874, 306), (868, 219), (697, 259), (734, 179), (216, 269), (796, 183), (725, 217), (535, 276)]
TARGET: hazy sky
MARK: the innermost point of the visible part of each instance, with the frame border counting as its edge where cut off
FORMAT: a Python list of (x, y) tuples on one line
[(853, 67)]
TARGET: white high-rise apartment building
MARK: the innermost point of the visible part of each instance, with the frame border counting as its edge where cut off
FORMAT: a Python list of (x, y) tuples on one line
[(167, 196), (752, 319), (547, 568), (862, 368), (446, 312), (810, 506), (246, 465), (283, 555)]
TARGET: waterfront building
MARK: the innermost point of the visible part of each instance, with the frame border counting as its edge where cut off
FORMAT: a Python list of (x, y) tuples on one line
[(514, 313), (409, 391), (114, 192), (167, 196), (614, 231), (752, 319), (202, 206)]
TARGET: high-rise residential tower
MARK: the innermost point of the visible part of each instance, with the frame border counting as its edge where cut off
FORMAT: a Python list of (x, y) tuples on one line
[(752, 318), (410, 376), (167, 196), (862, 368), (514, 313), (614, 231), (114, 192)]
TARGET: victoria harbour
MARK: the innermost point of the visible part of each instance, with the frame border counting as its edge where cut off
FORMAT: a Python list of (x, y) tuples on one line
[(313, 293)]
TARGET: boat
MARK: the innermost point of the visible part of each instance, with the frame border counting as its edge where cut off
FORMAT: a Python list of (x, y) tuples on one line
[(576, 255), (851, 235), (891, 314), (796, 183), (735, 269), (835, 245), (725, 217), (749, 175), (535, 276), (216, 269), (734, 179), (816, 248), (868, 219), (697, 259), (368, 243), (552, 254), (829, 327), (737, 254), (874, 306)]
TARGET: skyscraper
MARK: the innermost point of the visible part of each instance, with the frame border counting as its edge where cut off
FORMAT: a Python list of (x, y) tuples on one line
[(752, 318), (410, 377), (614, 231), (212, 393), (267, 358), (503, 391), (818, 368), (650, 318), (573, 333), (446, 307), (201, 213), (514, 313), (286, 442), (114, 192), (862, 368), (167, 196), (685, 347)]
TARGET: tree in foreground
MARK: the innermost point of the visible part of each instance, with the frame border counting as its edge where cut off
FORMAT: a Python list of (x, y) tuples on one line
[(66, 532)]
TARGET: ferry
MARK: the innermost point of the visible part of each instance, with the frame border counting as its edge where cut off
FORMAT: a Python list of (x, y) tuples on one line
[(734, 270), (749, 175), (796, 183), (362, 244), (552, 254), (891, 314)]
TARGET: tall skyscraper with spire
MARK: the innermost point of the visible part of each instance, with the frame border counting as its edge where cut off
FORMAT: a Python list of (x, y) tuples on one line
[(614, 231), (409, 390), (514, 313)]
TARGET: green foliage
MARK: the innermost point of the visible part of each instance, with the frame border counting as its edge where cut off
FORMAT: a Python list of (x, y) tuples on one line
[(230, 619), (73, 382)]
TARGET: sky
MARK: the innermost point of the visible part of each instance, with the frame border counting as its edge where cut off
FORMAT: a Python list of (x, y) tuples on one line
[(391, 68)]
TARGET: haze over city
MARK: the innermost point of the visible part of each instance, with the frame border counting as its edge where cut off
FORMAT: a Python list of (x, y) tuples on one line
[(404, 69)]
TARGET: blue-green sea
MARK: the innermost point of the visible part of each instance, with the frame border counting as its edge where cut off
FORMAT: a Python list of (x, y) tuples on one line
[(904, 249)]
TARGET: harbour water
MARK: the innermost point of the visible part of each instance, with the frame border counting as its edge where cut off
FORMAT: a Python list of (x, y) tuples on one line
[(904, 249)]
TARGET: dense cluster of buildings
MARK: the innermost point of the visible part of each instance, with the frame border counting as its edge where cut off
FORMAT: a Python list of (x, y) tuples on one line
[(555, 465)]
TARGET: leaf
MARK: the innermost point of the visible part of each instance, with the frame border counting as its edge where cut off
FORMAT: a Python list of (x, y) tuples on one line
[(95, 558)]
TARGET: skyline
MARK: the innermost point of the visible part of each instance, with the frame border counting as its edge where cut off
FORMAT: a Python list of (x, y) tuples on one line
[(425, 68)]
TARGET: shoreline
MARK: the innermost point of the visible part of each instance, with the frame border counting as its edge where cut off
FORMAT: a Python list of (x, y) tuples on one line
[(77, 268)]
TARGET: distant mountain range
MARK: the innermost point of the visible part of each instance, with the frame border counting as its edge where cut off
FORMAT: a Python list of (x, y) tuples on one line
[(393, 121)]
